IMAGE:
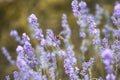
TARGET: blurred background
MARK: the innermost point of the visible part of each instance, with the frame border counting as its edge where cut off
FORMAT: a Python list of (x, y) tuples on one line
[(14, 15)]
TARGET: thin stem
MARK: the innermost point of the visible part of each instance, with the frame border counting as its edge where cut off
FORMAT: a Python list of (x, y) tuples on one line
[(90, 73)]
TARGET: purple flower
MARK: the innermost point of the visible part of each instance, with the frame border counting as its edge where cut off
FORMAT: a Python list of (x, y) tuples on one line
[(118, 59), (61, 54), (69, 64), (51, 39), (116, 33), (21, 64), (7, 55), (33, 21), (52, 73), (83, 8), (98, 15), (75, 7), (66, 31), (44, 77), (117, 10), (44, 59), (96, 41), (114, 20), (28, 49), (38, 34), (43, 42), (50, 34), (25, 38), (116, 46), (8, 77), (20, 50), (86, 66), (84, 44), (17, 75), (82, 4), (82, 34), (105, 41), (27, 45), (100, 78), (116, 14), (92, 24), (86, 77), (14, 34), (69, 70), (107, 56), (110, 77), (41, 63)]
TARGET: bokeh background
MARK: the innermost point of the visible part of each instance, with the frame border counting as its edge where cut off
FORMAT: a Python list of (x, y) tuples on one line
[(14, 15)]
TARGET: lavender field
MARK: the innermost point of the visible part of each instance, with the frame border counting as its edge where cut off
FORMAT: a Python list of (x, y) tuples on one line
[(84, 47)]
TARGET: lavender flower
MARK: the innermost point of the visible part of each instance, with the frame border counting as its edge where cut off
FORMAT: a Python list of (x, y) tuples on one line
[(92, 25), (20, 50), (33, 21), (83, 8), (7, 55), (86, 66), (110, 77), (86, 77), (7, 77), (69, 70), (116, 15), (75, 7), (66, 31), (28, 49), (38, 34), (21, 64), (51, 40), (14, 34), (117, 10), (52, 73), (105, 42), (61, 54), (27, 46), (85, 43), (82, 34), (25, 38), (16, 75), (41, 63), (82, 4), (70, 60), (107, 56), (98, 15)]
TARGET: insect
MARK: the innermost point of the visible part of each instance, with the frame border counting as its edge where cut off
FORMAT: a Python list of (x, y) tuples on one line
[(59, 37)]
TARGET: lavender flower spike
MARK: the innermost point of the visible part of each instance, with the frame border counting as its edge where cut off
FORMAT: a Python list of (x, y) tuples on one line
[(8, 77), (33, 21), (66, 31), (20, 50), (117, 10), (75, 7), (107, 56), (14, 34), (7, 55), (110, 77)]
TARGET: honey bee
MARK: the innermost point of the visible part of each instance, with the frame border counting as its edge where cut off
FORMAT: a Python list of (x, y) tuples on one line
[(59, 37)]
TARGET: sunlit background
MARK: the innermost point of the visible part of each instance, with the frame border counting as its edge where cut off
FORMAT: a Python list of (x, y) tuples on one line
[(14, 15)]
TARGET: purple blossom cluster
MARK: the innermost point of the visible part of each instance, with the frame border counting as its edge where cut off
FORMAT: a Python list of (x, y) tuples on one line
[(42, 62)]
